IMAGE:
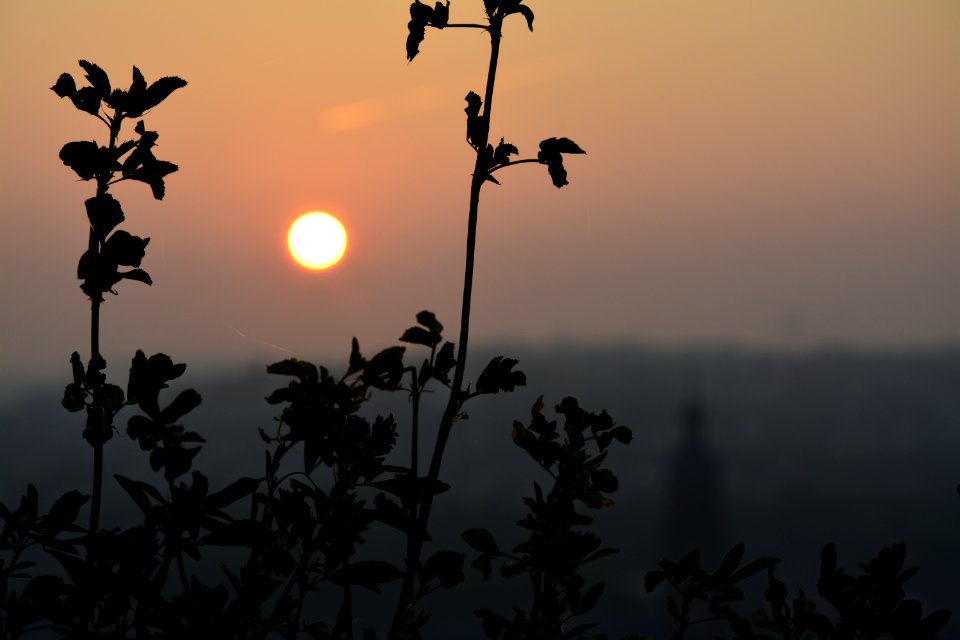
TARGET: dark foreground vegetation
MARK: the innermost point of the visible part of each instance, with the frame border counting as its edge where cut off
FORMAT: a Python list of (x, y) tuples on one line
[(265, 554)]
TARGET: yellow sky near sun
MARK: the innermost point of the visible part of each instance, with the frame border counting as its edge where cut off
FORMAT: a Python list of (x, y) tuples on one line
[(748, 161)]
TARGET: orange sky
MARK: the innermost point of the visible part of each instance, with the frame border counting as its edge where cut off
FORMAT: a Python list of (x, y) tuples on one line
[(758, 172)]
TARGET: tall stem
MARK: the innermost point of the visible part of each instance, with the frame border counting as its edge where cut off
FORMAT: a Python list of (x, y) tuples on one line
[(93, 245), (455, 400)]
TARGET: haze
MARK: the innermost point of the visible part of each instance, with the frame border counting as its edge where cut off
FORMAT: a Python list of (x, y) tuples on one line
[(762, 174)]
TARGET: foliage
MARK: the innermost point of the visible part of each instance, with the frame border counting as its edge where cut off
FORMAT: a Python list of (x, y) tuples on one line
[(868, 606), (289, 539)]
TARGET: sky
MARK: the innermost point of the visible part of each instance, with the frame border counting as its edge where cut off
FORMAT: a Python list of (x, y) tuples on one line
[(760, 173)]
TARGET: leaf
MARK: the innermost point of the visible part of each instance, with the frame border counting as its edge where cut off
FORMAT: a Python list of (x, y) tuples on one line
[(429, 320), (550, 154), (76, 366), (501, 155), (417, 33), (104, 213), (444, 363), (74, 398), (476, 129), (498, 376), (419, 335), (730, 561), (407, 488), (161, 90), (751, 568), (85, 158), (527, 13), (65, 86), (97, 78), (125, 249), (300, 369), (153, 173), (384, 370), (137, 274), (357, 361), (233, 492), (183, 404), (441, 15), (141, 492), (368, 574), (653, 579), (446, 566), (65, 510), (481, 540)]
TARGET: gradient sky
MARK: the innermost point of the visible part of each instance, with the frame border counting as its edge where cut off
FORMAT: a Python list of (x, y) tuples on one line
[(759, 172)]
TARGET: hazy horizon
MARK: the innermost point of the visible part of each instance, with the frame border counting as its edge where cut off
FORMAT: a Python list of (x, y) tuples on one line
[(767, 175)]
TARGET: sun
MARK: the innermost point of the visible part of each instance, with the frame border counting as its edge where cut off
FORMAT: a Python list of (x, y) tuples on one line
[(317, 240)]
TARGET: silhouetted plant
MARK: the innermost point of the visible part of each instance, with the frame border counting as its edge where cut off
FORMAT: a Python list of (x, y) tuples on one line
[(868, 606), (489, 159), (109, 248), (290, 540), (555, 550)]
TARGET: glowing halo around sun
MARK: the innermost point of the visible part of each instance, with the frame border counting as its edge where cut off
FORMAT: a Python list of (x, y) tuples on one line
[(317, 240)]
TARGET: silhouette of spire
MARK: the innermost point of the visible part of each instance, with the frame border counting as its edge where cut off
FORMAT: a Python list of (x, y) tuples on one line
[(693, 513)]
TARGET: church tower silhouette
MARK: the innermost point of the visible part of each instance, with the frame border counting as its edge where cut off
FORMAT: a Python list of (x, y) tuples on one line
[(693, 510)]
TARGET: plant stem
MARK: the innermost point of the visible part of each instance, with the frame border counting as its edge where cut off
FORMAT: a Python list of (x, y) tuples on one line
[(455, 400), (93, 245)]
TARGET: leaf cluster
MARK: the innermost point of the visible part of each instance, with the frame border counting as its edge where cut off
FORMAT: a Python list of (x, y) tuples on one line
[(557, 546), (134, 159), (868, 606)]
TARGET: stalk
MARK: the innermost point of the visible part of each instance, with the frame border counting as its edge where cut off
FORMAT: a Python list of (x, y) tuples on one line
[(455, 400), (93, 244)]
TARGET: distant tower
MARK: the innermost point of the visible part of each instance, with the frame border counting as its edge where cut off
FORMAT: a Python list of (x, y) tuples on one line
[(693, 513)]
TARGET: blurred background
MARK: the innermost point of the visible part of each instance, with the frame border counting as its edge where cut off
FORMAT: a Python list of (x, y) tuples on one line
[(754, 267)]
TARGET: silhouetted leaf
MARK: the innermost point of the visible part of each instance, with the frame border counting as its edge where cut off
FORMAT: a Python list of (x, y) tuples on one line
[(550, 153), (384, 370), (751, 568), (137, 274), (476, 128), (501, 155), (98, 79), (407, 488), (441, 15), (153, 173), (141, 492), (419, 335), (184, 403), (125, 249), (65, 510), (369, 574), (76, 367), (444, 362), (508, 7), (65, 86), (231, 493), (104, 213), (527, 13), (86, 159), (499, 376), (160, 91), (730, 561), (935, 622), (74, 398), (357, 361), (481, 540), (304, 371), (446, 566), (86, 99)]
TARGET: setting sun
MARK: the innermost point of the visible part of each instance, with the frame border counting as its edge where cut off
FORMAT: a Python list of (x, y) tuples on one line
[(317, 240)]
